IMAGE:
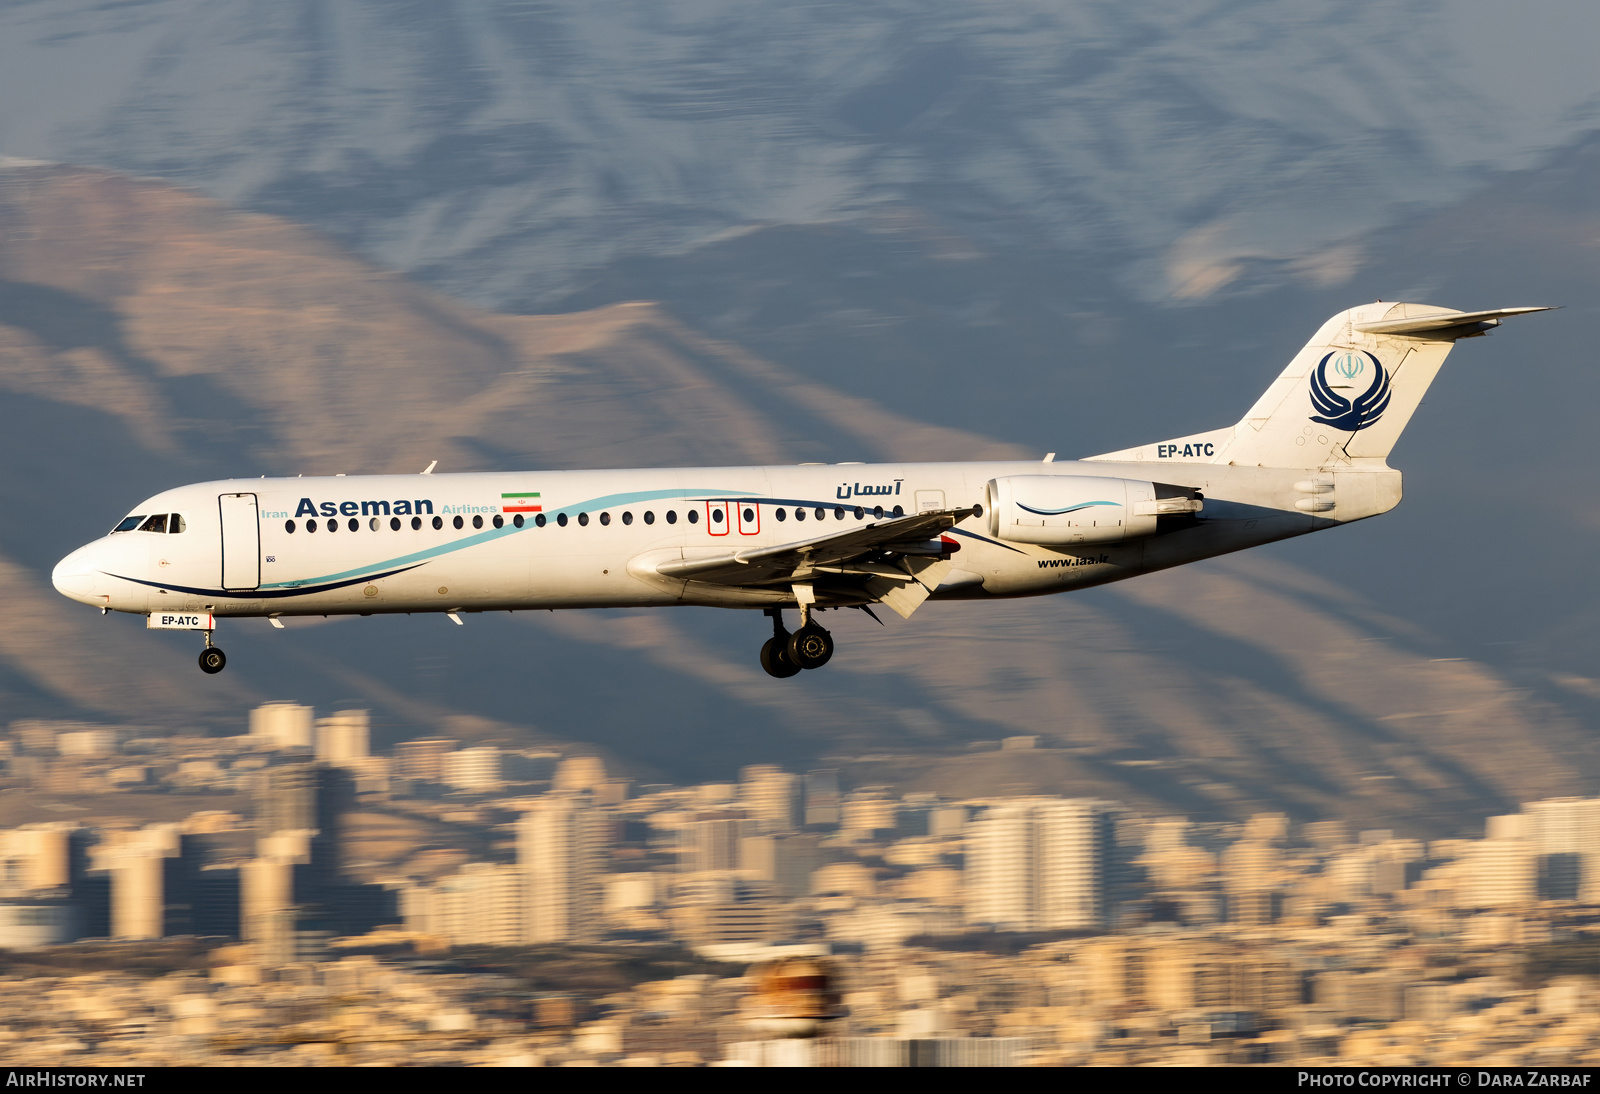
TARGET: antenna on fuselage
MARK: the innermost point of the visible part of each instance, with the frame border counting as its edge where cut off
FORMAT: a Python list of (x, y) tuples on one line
[(429, 469)]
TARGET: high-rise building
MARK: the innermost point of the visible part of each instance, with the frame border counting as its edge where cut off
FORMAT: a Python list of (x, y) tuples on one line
[(423, 758), (137, 860), (822, 797), (1502, 868), (35, 857), (1040, 864), (772, 797), (307, 797), (308, 804), (577, 773), (344, 738), (268, 897), (710, 841), (1250, 876), (1565, 833), (560, 850), (870, 812), (282, 726), (474, 769), (482, 904)]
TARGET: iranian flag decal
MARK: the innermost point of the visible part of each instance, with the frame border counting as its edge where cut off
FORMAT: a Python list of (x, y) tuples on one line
[(519, 503)]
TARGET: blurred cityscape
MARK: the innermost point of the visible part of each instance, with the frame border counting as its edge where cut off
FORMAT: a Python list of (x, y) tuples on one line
[(290, 896)]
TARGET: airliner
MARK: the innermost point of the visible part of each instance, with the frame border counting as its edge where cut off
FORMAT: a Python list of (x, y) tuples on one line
[(1310, 454)]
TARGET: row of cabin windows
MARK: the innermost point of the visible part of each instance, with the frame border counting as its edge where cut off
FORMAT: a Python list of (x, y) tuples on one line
[(395, 523), (540, 520), (161, 522)]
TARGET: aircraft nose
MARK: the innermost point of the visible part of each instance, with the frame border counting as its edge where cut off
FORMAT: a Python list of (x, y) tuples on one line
[(78, 577)]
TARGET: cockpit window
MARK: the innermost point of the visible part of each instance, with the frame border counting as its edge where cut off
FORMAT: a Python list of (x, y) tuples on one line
[(157, 523), (176, 523), (129, 523)]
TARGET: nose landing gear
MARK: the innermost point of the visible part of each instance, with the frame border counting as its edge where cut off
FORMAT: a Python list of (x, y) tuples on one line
[(786, 654), (212, 660)]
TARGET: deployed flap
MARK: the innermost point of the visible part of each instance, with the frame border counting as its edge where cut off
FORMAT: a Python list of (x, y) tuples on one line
[(905, 596), (798, 561)]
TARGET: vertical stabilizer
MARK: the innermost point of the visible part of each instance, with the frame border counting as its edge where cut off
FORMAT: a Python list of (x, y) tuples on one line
[(1345, 397)]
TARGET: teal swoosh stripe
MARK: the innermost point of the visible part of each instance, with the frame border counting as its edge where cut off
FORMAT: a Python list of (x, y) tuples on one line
[(1062, 512), (489, 534)]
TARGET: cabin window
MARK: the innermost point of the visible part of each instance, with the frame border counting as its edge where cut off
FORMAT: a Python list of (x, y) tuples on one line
[(517, 520), (977, 510), (716, 515), (355, 524), (694, 516), (749, 516), (333, 525), (373, 524), (649, 517), (561, 519), (288, 526), (672, 516), (780, 515), (311, 526), (539, 520), (458, 522), (583, 520), (157, 523), (799, 513), (394, 524), (860, 512), (899, 512), (499, 521), (627, 518), (821, 513), (477, 522), (877, 512), (838, 512), (605, 519)]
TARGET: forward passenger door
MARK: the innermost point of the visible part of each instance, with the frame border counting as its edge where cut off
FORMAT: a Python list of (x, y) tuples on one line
[(241, 541)]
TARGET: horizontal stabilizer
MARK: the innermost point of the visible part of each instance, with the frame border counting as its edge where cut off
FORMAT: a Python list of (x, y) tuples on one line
[(1418, 324)]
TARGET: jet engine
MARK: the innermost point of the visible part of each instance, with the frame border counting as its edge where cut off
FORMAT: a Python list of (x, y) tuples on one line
[(1061, 510)]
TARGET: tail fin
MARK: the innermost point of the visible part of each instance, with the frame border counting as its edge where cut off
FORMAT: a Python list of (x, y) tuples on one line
[(1345, 397)]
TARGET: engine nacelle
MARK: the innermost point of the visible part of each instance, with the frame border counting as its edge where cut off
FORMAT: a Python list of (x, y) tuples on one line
[(1061, 510)]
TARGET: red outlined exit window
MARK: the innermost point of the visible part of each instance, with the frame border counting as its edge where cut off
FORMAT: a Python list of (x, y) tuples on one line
[(749, 518), (717, 518)]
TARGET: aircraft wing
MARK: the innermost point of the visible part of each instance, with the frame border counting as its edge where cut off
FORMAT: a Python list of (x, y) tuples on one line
[(897, 562)]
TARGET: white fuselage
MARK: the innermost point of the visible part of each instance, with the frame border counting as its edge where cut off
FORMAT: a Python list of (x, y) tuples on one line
[(248, 547)]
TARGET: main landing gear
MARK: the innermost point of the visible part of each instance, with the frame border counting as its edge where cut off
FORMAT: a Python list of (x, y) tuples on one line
[(786, 654), (212, 660)]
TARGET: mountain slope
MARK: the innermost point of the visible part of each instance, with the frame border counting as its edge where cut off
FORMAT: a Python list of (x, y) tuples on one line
[(149, 336)]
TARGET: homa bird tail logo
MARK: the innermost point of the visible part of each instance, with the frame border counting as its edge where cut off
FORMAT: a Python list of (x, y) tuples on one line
[(1330, 394)]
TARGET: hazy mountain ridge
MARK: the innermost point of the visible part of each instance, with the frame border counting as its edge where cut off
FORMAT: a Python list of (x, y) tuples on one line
[(502, 149), (149, 336)]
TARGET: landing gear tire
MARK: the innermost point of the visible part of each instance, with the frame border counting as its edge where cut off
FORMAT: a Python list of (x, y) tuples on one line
[(775, 659), (810, 647), (212, 660)]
